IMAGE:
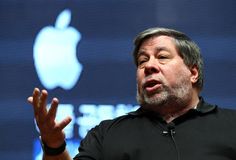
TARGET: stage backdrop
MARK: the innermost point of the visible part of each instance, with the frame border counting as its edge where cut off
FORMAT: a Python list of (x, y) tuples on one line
[(80, 51)]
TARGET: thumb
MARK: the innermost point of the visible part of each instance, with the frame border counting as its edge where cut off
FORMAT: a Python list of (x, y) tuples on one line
[(64, 123)]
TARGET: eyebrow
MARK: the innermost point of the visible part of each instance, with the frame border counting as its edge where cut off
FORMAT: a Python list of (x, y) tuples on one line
[(162, 48), (157, 49)]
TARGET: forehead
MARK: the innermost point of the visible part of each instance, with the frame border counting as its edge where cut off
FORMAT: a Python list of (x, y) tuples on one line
[(155, 41), (156, 44)]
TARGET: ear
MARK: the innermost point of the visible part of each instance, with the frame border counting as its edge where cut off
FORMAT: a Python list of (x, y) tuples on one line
[(194, 74)]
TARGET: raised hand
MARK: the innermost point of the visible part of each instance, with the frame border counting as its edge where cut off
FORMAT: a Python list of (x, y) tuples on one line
[(51, 131)]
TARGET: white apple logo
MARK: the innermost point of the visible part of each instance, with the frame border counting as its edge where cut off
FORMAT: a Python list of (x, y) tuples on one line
[(55, 57)]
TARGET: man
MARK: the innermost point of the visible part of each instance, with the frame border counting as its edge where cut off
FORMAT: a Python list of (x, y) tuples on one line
[(173, 122)]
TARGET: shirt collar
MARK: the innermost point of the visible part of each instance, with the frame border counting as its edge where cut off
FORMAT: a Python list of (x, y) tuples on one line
[(202, 108)]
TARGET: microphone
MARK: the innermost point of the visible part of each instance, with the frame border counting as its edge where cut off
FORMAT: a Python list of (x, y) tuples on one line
[(170, 129)]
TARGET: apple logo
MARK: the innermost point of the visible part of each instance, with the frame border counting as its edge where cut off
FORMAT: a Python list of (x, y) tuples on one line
[(55, 57)]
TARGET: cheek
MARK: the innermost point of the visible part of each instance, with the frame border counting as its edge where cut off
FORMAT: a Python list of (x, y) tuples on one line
[(173, 76), (139, 78)]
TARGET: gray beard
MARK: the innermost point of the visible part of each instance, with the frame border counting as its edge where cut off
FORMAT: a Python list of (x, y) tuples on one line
[(179, 95)]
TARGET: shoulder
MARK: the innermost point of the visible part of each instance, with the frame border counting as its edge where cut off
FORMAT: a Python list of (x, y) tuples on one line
[(215, 113), (226, 110), (218, 114), (100, 131), (226, 113), (106, 125), (204, 107)]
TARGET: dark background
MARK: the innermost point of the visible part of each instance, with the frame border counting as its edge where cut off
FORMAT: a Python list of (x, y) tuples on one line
[(108, 28)]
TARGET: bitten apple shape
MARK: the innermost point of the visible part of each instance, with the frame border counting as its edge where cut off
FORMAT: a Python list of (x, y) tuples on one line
[(55, 57)]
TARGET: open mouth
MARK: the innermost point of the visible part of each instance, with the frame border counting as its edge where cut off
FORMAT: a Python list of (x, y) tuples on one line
[(151, 86)]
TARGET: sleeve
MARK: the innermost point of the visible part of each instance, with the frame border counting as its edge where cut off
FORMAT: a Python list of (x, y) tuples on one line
[(91, 146)]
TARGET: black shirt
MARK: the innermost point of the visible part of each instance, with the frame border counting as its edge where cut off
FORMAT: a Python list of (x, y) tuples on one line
[(205, 133)]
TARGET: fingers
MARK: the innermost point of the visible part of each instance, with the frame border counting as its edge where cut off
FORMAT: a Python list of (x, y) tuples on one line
[(43, 99), (42, 104), (46, 119), (30, 99), (53, 110), (35, 95), (38, 101), (52, 115), (63, 123), (33, 100)]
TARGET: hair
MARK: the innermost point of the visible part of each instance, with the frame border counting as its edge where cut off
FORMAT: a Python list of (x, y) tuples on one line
[(187, 49)]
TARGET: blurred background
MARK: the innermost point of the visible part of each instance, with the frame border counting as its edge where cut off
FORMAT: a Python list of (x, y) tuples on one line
[(80, 51)]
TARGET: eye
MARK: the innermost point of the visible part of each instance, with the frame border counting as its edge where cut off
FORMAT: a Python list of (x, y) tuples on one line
[(141, 60), (162, 57)]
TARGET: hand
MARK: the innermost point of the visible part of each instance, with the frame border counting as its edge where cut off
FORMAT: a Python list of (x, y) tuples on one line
[(51, 131)]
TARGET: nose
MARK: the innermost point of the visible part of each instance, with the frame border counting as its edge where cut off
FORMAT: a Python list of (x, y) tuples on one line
[(151, 67)]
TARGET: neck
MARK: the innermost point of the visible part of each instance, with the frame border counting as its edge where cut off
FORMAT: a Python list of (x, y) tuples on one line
[(174, 108), (173, 111), (169, 117)]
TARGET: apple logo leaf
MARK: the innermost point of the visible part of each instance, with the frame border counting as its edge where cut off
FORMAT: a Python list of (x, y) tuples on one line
[(63, 19)]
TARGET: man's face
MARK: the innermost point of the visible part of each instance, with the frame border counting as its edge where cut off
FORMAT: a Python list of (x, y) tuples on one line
[(162, 76)]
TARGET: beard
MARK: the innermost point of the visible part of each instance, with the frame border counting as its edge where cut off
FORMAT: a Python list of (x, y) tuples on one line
[(177, 95)]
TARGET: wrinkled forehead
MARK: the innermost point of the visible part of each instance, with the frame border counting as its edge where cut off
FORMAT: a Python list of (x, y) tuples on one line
[(160, 42), (151, 38)]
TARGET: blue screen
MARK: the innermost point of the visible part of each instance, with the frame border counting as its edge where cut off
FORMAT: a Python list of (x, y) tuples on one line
[(81, 52)]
